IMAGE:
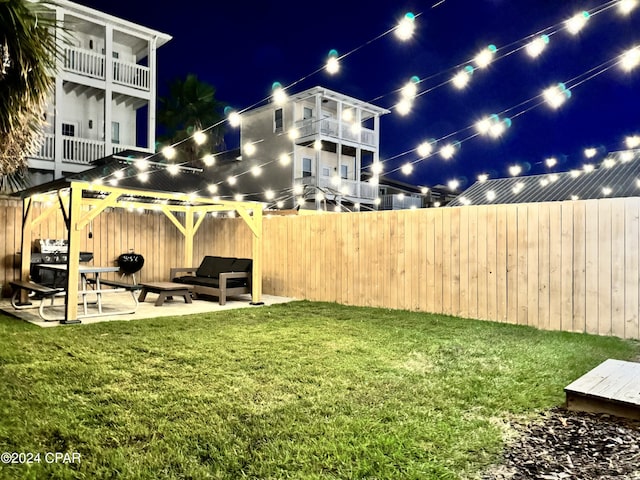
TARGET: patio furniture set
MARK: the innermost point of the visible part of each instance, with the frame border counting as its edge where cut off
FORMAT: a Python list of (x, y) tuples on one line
[(215, 277)]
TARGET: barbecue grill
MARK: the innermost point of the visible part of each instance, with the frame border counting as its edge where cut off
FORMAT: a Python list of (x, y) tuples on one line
[(130, 264)]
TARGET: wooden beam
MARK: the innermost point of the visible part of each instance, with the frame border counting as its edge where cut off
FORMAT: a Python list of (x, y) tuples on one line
[(251, 221), (257, 253), (188, 237), (98, 208), (25, 246), (46, 213), (73, 254), (63, 209), (173, 219)]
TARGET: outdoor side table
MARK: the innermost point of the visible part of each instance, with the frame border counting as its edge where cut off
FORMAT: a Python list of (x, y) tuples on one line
[(165, 290)]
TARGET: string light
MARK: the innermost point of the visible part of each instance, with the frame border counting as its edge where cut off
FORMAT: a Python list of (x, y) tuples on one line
[(403, 107), (407, 168), (424, 190), (453, 185), (588, 167), (169, 153), (376, 168), (333, 65), (279, 96), (234, 119), (447, 151), (294, 134), (249, 148), (406, 27), (626, 156), (173, 169), (590, 152), (515, 170), (317, 145), (556, 95), (483, 177), (425, 149), (212, 187), (551, 162), (491, 195), (461, 79), (199, 137), (608, 162), (284, 159), (256, 170), (632, 141), (231, 180), (410, 89), (143, 177), (630, 59), (209, 160), (625, 7), (536, 46), (298, 189), (485, 57), (577, 22), (606, 191)]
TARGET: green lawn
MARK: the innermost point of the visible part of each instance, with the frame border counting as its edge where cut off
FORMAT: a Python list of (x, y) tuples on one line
[(300, 390)]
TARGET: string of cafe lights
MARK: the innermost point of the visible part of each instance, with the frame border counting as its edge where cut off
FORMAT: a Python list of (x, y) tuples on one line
[(403, 31)]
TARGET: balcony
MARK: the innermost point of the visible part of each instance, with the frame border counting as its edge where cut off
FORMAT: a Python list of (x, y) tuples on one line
[(81, 151), (341, 186), (91, 64), (399, 202), (335, 129)]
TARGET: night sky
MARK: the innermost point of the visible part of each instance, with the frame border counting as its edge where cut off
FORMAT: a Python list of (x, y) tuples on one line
[(243, 47)]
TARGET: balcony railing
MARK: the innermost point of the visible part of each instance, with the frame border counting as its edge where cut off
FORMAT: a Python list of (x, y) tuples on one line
[(331, 128), (399, 202), (341, 186), (91, 64), (79, 150), (84, 62)]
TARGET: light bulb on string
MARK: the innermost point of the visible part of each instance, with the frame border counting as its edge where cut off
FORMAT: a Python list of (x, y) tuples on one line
[(293, 134), (632, 141), (483, 177), (453, 185), (577, 22), (448, 150), (256, 170), (606, 191), (424, 190), (233, 117), (169, 153), (461, 79), (515, 170), (590, 152), (231, 180), (333, 64), (425, 149), (551, 162), (403, 107), (556, 95), (485, 57), (608, 163), (173, 169), (376, 168), (238, 197), (626, 156), (406, 27), (317, 144), (209, 160), (536, 46), (410, 90), (630, 59), (625, 7), (279, 96), (407, 168), (298, 189), (143, 177), (199, 137), (588, 167), (212, 187), (249, 148)]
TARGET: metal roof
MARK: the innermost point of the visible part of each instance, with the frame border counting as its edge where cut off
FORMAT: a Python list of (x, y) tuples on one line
[(617, 176)]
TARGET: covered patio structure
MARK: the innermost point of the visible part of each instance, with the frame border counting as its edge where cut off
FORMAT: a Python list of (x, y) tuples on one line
[(83, 197)]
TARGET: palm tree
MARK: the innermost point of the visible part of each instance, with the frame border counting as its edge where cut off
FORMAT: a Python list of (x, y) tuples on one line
[(27, 75), (191, 106)]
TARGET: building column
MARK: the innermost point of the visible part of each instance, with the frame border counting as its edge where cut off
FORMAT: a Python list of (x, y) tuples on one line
[(151, 110), (108, 89), (58, 99)]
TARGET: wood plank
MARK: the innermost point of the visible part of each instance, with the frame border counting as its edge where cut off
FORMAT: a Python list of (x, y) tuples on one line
[(431, 260), (566, 267), (481, 255), (492, 263), (446, 261), (366, 252), (455, 260), (632, 268), (523, 259), (413, 258), (604, 266), (473, 262), (438, 265), (612, 380), (464, 263), (512, 263), (618, 241), (591, 266), (394, 277), (579, 267), (544, 265), (532, 264), (501, 263), (422, 260)]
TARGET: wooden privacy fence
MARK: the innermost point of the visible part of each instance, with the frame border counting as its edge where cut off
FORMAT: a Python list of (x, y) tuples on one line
[(570, 266)]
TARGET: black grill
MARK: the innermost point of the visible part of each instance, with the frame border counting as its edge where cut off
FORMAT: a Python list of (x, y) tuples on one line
[(47, 277)]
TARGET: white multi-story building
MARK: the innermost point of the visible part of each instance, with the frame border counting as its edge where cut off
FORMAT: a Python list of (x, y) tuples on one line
[(326, 136), (105, 91)]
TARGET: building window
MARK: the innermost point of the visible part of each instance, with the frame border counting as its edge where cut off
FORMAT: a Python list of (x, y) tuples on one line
[(306, 167), (326, 171), (344, 171), (307, 113), (115, 132), (68, 130), (278, 120)]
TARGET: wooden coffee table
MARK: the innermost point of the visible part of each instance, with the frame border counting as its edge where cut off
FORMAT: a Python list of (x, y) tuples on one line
[(165, 290)]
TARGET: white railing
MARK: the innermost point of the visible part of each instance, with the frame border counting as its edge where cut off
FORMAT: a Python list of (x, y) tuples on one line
[(348, 188), (81, 150), (91, 64), (331, 128), (121, 148), (399, 201), (84, 62), (47, 148), (131, 75)]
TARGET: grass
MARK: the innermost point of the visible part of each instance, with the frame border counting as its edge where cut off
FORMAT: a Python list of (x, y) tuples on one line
[(299, 390)]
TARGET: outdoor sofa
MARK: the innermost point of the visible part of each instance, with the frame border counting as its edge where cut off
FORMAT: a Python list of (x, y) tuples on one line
[(216, 276)]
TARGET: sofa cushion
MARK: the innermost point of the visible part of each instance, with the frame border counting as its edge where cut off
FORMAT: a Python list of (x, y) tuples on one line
[(242, 265), (212, 266), (211, 282)]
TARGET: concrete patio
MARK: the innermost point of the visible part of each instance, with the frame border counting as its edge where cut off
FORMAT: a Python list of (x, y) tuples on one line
[(146, 309)]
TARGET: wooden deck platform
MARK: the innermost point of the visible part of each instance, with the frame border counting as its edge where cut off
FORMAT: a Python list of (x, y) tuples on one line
[(612, 387)]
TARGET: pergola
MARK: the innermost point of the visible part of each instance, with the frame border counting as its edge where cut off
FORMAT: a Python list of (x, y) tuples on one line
[(80, 202)]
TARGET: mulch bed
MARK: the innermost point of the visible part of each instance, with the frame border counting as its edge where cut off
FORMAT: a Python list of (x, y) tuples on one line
[(572, 445)]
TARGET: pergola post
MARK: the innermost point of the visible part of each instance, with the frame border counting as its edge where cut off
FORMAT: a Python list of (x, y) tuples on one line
[(188, 237), (73, 255), (25, 246), (256, 246)]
